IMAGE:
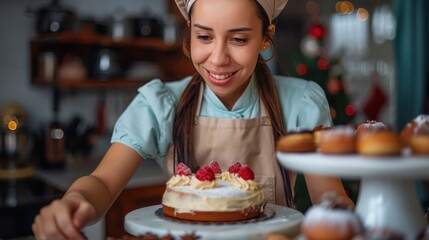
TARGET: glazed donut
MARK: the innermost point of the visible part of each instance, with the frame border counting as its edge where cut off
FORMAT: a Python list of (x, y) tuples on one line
[(338, 140), (379, 143), (371, 125), (300, 141), (419, 142), (330, 220), (410, 128)]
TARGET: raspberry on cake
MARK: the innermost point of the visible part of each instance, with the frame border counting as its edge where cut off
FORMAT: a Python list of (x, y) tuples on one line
[(232, 196)]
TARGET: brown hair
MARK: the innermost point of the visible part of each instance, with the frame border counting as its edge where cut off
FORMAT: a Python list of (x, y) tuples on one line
[(183, 128)]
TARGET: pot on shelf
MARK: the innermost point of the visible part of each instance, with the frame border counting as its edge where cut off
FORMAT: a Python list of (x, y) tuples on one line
[(53, 18)]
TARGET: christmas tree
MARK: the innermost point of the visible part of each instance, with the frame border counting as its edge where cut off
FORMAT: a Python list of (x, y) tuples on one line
[(314, 64)]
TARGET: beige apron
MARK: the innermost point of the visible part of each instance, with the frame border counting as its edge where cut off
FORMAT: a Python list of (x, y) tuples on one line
[(249, 141)]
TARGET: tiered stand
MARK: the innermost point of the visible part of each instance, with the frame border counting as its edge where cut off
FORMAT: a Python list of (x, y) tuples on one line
[(387, 197)]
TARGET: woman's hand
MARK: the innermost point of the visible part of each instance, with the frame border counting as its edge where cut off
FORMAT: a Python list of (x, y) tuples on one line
[(63, 218)]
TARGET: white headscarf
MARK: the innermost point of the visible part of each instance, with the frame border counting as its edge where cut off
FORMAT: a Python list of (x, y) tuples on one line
[(271, 7)]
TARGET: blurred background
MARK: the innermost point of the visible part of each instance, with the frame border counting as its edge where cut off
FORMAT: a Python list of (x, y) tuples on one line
[(68, 69)]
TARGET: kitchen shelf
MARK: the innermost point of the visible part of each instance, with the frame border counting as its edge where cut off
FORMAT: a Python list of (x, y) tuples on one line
[(82, 84), (105, 41), (168, 59)]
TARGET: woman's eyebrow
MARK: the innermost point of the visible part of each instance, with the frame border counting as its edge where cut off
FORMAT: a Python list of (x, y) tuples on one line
[(241, 29)]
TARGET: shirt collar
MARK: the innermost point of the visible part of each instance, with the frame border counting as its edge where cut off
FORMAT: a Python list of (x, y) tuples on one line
[(248, 98)]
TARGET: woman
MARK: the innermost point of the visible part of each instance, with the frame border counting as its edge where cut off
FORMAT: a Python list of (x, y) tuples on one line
[(232, 110)]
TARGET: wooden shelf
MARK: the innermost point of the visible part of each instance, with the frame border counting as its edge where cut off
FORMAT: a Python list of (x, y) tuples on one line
[(168, 58), (105, 41), (100, 84)]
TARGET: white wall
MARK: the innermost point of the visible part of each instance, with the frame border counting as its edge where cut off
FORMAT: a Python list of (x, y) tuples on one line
[(16, 30)]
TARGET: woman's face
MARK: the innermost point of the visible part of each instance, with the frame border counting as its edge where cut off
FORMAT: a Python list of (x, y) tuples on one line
[(226, 37)]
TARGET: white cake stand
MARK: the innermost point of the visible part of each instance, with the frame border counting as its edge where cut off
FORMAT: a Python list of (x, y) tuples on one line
[(387, 197), (286, 221)]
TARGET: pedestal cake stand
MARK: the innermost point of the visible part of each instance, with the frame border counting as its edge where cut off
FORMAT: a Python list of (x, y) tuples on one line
[(387, 197), (285, 220)]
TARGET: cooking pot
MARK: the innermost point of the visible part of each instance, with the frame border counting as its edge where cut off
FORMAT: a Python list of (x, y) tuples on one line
[(147, 26), (53, 18)]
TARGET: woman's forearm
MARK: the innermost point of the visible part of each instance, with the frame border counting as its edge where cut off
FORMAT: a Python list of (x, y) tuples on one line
[(95, 192)]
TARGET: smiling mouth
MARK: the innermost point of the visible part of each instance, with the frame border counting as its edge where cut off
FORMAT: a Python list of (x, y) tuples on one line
[(220, 76)]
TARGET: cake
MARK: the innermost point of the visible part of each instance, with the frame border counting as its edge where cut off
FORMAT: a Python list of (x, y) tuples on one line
[(211, 195)]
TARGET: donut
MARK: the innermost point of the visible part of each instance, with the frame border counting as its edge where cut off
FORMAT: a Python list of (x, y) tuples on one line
[(331, 220), (419, 141), (379, 143), (338, 140), (299, 141), (371, 125), (318, 131), (411, 128)]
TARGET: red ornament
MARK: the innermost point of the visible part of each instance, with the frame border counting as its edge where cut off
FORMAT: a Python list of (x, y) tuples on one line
[(350, 110), (323, 63), (318, 31), (301, 69)]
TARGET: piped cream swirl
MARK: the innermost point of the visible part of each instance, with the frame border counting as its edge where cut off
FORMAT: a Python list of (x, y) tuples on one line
[(197, 184), (248, 185), (179, 180)]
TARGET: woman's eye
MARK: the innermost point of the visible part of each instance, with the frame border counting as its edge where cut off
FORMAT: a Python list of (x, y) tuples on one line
[(203, 38), (239, 40)]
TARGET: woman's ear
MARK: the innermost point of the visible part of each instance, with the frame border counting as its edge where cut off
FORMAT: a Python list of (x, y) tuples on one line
[(189, 23), (272, 30), (266, 42)]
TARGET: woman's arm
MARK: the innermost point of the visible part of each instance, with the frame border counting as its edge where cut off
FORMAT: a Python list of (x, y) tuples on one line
[(318, 185), (106, 182), (89, 197)]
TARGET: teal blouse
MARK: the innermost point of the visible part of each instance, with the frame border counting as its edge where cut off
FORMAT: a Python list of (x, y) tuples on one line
[(146, 125)]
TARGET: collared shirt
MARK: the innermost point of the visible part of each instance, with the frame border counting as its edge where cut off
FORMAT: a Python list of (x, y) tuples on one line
[(146, 125)]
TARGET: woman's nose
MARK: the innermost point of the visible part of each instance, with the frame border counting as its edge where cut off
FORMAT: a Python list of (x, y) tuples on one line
[(219, 55)]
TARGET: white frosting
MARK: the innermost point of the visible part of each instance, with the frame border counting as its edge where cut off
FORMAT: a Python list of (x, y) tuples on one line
[(223, 197), (223, 189), (335, 217), (422, 124), (374, 125), (341, 129), (421, 119)]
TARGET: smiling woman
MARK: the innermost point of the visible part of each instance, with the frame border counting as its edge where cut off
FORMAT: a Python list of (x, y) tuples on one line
[(231, 110)]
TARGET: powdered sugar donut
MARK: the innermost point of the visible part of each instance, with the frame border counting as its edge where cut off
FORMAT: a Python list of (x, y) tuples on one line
[(338, 140), (419, 141), (412, 127), (371, 125), (330, 220)]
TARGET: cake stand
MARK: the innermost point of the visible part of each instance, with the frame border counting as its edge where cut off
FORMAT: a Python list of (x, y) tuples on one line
[(387, 197), (286, 221)]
